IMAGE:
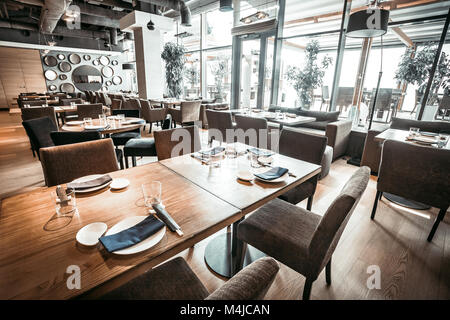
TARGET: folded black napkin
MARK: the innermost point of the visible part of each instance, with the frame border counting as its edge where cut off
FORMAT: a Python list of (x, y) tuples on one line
[(133, 235), (90, 184), (272, 174), (213, 151), (259, 152)]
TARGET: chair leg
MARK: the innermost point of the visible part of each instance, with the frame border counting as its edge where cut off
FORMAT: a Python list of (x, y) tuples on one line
[(133, 161), (121, 164), (374, 209), (150, 130), (309, 204), (328, 272), (126, 162), (439, 218), (307, 289)]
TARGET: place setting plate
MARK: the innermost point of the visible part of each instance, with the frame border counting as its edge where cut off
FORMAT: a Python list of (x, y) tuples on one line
[(88, 235), (94, 127), (88, 178), (75, 123), (119, 183)]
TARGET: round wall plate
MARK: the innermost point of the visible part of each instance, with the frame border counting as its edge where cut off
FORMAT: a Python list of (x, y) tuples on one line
[(108, 83), (104, 60), (50, 75), (74, 58), (52, 87), (105, 88), (107, 72), (61, 56), (95, 62), (117, 80), (65, 66), (62, 77), (87, 57), (50, 61), (67, 87), (114, 62)]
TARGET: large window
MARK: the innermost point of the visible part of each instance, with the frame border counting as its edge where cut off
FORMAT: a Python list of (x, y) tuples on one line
[(218, 74), (218, 28)]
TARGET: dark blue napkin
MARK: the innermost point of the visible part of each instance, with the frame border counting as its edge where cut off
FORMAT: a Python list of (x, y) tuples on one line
[(133, 235), (272, 174), (213, 151), (259, 152)]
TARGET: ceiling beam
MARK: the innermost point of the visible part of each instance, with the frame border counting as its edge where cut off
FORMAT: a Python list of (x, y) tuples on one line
[(403, 37), (100, 21), (93, 10)]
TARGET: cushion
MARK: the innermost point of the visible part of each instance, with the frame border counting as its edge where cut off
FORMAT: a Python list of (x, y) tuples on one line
[(142, 147), (120, 139), (326, 162), (318, 125), (300, 192), (320, 115), (309, 130)]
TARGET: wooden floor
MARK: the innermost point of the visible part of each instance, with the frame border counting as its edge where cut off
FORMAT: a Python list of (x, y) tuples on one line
[(411, 267)]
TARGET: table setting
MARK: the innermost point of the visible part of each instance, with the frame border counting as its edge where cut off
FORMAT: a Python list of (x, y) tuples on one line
[(427, 138)]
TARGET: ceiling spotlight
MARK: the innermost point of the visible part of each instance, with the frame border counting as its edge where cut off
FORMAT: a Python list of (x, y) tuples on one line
[(226, 5), (259, 15), (151, 25)]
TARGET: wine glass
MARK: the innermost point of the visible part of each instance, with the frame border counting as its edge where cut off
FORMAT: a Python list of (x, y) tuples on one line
[(152, 194)]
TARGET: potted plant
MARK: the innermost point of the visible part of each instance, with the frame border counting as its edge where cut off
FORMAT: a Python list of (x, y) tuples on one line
[(305, 80), (174, 56), (415, 69), (219, 70)]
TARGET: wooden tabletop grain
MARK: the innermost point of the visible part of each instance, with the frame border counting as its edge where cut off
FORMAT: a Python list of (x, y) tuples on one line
[(400, 135)]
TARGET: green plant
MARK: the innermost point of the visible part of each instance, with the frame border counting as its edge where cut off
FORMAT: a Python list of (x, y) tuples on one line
[(219, 70), (415, 68), (174, 56), (305, 80)]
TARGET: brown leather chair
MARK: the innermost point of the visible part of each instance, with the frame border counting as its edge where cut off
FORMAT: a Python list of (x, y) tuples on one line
[(66, 102), (89, 110), (253, 127), (116, 104), (415, 172), (33, 103), (306, 147), (175, 280), (188, 112), (131, 104), (167, 140), (39, 112), (65, 163), (38, 131), (220, 121), (105, 99), (152, 114), (299, 238)]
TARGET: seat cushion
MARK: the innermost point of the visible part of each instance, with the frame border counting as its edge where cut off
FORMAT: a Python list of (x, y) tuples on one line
[(282, 231), (300, 192), (173, 280), (309, 130), (326, 162), (142, 147), (120, 139), (318, 125)]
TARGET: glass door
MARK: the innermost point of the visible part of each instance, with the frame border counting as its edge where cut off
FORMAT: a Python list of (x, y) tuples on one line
[(249, 79)]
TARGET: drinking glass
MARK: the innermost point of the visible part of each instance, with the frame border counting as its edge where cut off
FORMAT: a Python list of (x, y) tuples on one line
[(87, 121), (72, 104), (413, 132), (277, 114), (102, 118), (442, 140), (230, 151), (152, 193), (254, 163), (120, 119), (65, 205)]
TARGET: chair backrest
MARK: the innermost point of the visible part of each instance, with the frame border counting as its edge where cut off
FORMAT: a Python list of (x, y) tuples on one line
[(415, 172), (252, 126), (66, 102), (445, 102), (63, 164), (155, 104), (430, 126), (190, 111), (60, 138), (302, 146), (220, 121), (89, 110), (39, 131), (39, 112), (345, 96), (330, 228), (116, 104), (177, 142), (34, 103), (132, 104), (129, 113)]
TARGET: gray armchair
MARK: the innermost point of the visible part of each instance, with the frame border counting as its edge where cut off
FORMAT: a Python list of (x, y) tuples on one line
[(188, 112)]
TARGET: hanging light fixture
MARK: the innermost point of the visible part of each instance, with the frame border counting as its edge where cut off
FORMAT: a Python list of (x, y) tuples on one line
[(226, 5), (368, 23)]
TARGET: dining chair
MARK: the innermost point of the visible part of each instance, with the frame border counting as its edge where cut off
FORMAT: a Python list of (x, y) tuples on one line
[(61, 138), (39, 112), (151, 114), (168, 145), (254, 132), (419, 173), (66, 102), (62, 164), (143, 147), (132, 104), (306, 147), (116, 104), (219, 121), (187, 113), (175, 280), (89, 110), (105, 99), (38, 131), (301, 239), (121, 138), (34, 103)]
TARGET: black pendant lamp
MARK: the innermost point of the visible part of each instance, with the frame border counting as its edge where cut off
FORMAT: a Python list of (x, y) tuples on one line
[(368, 23), (226, 5)]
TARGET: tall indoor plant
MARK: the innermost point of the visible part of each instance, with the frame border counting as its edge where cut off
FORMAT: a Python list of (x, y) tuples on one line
[(174, 56), (305, 80)]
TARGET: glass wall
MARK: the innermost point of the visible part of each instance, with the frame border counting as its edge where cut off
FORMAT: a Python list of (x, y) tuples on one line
[(218, 74), (192, 71)]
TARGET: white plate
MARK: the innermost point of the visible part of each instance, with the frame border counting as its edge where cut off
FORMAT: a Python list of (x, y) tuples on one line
[(138, 247), (89, 234), (91, 177), (265, 160), (245, 175), (74, 123), (278, 180), (119, 183), (425, 140), (94, 127), (131, 122)]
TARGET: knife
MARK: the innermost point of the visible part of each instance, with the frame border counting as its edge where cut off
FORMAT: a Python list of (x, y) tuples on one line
[(167, 219)]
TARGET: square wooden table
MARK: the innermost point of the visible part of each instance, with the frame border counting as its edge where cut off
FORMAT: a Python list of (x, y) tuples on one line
[(33, 262), (222, 182), (399, 135)]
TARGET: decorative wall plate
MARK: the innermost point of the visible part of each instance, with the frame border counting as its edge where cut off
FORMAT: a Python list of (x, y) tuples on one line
[(50, 61), (61, 56), (67, 87), (62, 77), (87, 57), (50, 75), (95, 62), (105, 88), (74, 58), (117, 80), (107, 72), (108, 83), (114, 62), (52, 87), (104, 60), (87, 78), (64, 66)]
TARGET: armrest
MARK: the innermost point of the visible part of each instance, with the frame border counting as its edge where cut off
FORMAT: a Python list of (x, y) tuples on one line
[(251, 283), (338, 134), (372, 150)]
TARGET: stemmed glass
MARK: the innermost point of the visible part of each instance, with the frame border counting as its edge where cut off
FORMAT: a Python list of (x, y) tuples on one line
[(152, 194)]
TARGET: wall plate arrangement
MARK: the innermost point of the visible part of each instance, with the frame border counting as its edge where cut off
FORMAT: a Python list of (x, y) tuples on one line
[(62, 77), (107, 72), (52, 87), (115, 62), (87, 57), (95, 62), (50, 61), (104, 60), (65, 66), (61, 56), (50, 75), (105, 89), (67, 87), (74, 58), (117, 80), (108, 83)]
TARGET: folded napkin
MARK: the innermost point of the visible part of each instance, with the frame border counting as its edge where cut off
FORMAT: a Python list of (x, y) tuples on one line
[(90, 184), (213, 151), (133, 235), (259, 152), (273, 173)]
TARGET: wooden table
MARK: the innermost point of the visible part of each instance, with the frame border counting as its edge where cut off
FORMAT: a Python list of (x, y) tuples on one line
[(168, 103), (115, 128), (33, 262), (247, 196), (64, 109)]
